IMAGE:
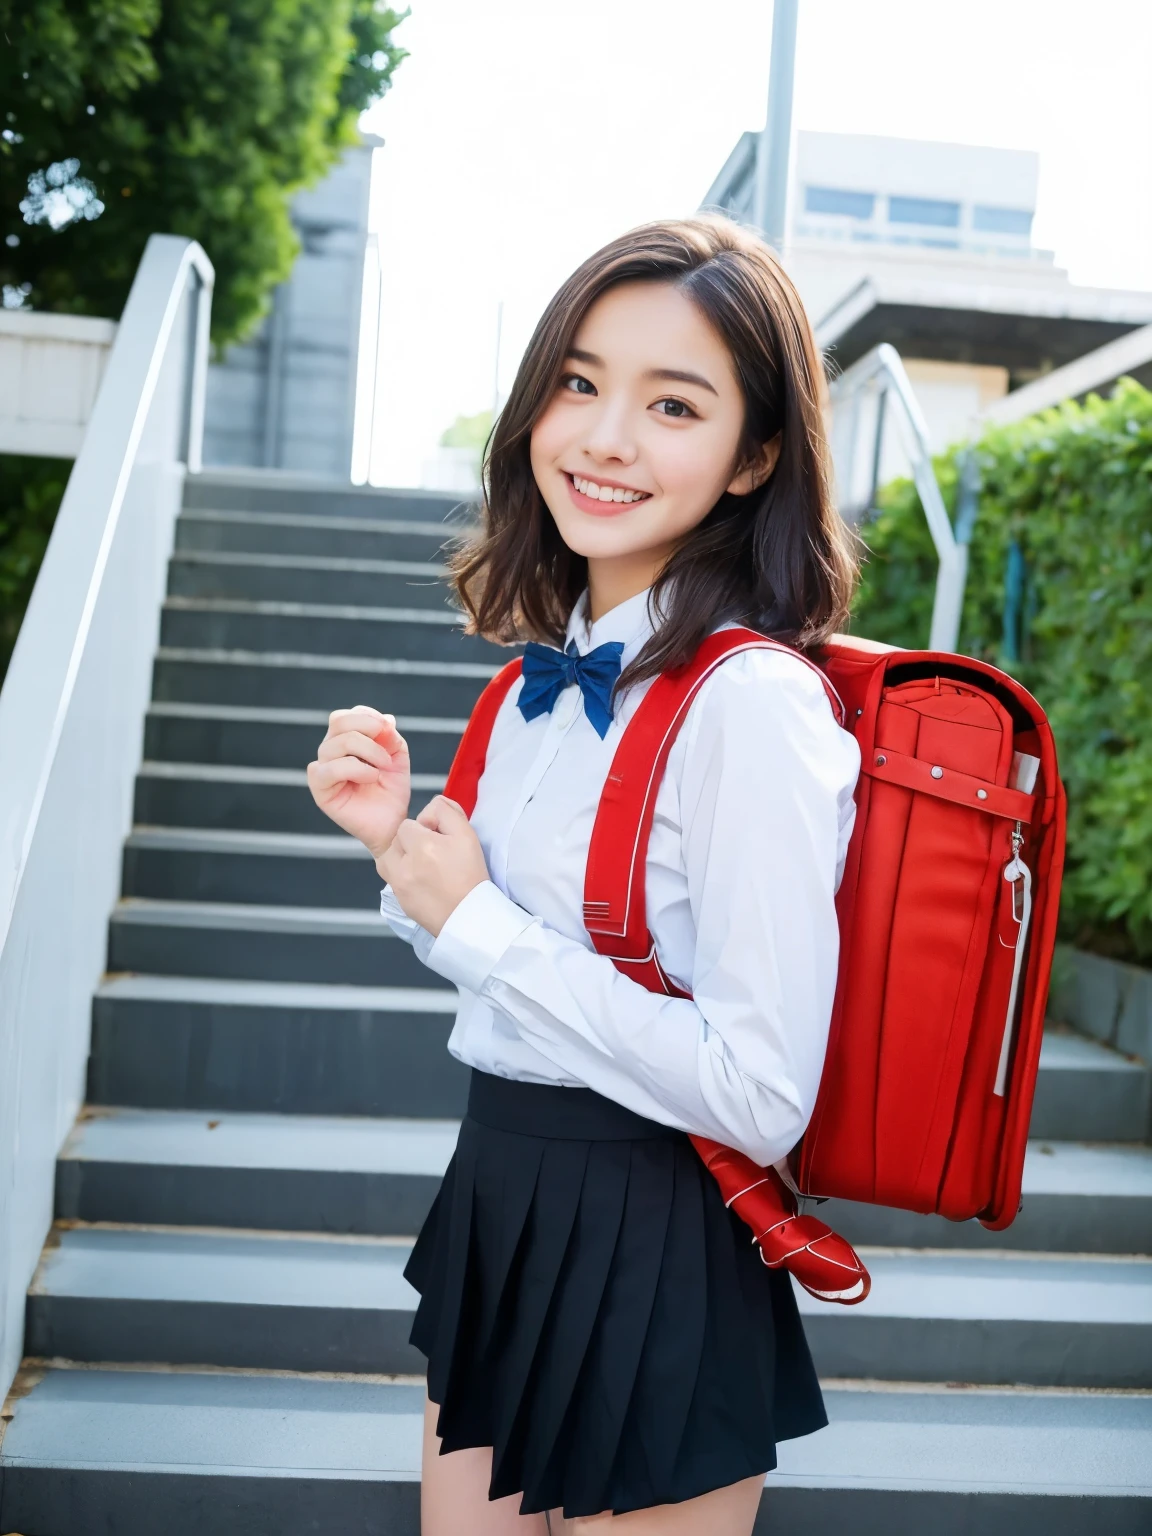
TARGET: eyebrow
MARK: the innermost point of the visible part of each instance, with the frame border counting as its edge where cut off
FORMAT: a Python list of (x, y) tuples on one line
[(680, 375)]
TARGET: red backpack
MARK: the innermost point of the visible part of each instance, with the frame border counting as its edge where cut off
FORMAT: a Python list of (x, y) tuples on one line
[(947, 913)]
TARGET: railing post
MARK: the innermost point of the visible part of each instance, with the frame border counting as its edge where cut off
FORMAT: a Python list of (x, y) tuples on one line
[(882, 367)]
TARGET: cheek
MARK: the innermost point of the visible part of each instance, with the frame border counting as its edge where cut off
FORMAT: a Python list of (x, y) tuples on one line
[(549, 438), (694, 466)]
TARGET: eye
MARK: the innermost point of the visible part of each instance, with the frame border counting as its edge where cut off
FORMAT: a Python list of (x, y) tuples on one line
[(577, 384), (679, 409)]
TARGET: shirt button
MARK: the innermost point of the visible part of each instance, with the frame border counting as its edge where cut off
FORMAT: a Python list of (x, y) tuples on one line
[(565, 708)]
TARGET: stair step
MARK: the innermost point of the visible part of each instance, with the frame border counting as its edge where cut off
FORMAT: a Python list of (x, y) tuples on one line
[(219, 797), (320, 629), (190, 1297), (268, 491), (107, 1177), (354, 946), (246, 1454), (265, 868), (287, 578), (1077, 1199), (293, 533), (232, 735), (1087, 1092), (185, 1042), (298, 681), (986, 1318), (959, 1461), (280, 1301), (271, 1172)]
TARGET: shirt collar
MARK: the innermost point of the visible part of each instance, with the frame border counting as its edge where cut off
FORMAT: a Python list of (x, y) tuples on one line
[(629, 622)]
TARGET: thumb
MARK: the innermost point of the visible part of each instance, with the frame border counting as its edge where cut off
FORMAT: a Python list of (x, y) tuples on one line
[(443, 815)]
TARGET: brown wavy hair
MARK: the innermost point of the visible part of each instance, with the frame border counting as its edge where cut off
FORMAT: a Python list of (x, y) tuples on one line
[(778, 559)]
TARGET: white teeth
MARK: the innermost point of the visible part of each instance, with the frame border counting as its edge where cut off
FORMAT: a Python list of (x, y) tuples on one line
[(597, 492)]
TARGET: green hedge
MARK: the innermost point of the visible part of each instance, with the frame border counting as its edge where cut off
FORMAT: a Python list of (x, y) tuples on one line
[(30, 495), (1060, 594)]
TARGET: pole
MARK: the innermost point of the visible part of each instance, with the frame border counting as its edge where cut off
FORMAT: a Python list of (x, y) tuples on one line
[(496, 363), (774, 149)]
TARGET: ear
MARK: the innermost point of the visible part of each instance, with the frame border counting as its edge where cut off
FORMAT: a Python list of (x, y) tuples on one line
[(753, 475)]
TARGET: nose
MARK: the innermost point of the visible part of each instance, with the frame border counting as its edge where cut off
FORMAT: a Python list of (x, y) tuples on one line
[(610, 437)]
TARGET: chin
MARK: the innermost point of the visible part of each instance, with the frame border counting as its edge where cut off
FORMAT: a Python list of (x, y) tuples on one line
[(600, 543)]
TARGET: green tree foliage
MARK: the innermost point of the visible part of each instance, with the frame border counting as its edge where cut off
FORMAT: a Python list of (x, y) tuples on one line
[(119, 118), (30, 493), (1060, 594)]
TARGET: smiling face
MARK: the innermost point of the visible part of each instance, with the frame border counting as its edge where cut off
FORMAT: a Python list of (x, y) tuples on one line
[(642, 436)]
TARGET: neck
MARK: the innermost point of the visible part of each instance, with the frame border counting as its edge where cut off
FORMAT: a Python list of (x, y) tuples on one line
[(613, 581)]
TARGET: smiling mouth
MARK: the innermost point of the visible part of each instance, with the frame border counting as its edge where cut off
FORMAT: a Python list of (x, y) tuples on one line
[(597, 490)]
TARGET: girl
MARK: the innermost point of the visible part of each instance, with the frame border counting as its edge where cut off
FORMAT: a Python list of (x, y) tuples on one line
[(604, 1346)]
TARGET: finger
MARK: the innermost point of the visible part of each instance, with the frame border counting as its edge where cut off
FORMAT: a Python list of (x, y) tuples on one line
[(355, 744), (410, 835), (327, 776), (361, 714), (442, 815)]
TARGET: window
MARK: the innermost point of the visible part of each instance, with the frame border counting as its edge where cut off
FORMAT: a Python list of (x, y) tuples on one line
[(854, 205), (1002, 221), (923, 210)]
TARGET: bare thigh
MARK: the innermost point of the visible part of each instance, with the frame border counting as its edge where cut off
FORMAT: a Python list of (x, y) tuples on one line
[(454, 1493), (727, 1511), (454, 1498)]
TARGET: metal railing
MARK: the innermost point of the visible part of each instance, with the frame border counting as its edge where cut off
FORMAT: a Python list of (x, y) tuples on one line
[(71, 722), (863, 399), (876, 389)]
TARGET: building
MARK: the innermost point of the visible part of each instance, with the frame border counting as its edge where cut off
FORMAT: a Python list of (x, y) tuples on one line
[(286, 399), (928, 246)]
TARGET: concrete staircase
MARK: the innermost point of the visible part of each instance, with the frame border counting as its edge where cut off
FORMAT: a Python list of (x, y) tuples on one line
[(217, 1334)]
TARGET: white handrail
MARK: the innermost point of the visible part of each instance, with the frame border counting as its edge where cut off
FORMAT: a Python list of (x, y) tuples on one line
[(882, 371), (71, 721)]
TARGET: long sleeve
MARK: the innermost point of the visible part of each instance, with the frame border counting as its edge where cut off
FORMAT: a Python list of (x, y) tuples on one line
[(403, 926), (765, 785)]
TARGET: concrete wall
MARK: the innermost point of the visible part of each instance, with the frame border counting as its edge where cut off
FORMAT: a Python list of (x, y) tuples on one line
[(286, 399), (50, 371)]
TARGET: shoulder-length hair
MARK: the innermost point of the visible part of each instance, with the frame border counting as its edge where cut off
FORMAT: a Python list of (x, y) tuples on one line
[(778, 559)]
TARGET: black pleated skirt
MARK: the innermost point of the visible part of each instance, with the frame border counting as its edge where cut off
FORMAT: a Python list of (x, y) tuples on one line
[(591, 1311)]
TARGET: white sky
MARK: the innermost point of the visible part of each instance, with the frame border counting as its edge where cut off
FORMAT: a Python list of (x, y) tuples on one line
[(522, 134)]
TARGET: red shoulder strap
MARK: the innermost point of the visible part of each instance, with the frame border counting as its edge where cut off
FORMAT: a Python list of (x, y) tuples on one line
[(468, 763), (615, 908)]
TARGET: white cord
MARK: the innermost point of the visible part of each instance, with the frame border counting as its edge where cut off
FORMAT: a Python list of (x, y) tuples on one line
[(1014, 870)]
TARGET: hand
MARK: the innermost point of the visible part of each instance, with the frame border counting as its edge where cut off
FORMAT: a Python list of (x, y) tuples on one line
[(433, 862), (362, 776)]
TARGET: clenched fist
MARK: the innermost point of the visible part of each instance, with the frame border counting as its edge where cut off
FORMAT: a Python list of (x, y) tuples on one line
[(362, 776), (433, 862)]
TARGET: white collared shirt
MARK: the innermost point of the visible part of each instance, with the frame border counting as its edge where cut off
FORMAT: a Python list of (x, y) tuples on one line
[(748, 842)]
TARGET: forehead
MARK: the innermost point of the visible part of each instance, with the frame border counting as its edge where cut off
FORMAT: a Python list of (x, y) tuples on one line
[(637, 326)]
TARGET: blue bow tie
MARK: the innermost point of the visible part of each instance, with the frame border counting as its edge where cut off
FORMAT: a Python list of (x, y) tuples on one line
[(548, 671)]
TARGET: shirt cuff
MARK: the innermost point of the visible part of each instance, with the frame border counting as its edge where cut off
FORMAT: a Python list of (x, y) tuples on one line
[(403, 926), (478, 931)]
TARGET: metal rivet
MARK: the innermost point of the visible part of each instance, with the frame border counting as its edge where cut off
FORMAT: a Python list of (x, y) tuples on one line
[(981, 794), (880, 760), (937, 773), (859, 712)]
